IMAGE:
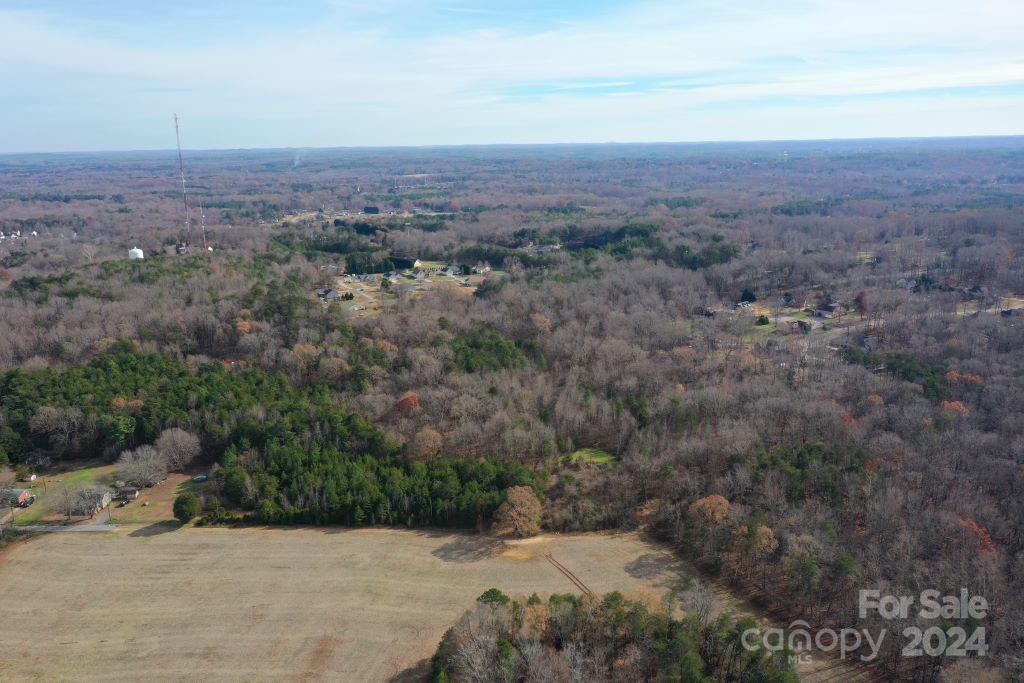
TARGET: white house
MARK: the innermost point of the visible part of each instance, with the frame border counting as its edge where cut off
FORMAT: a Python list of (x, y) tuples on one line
[(135, 254)]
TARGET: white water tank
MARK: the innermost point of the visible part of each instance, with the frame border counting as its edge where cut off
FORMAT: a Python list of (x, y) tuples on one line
[(136, 254)]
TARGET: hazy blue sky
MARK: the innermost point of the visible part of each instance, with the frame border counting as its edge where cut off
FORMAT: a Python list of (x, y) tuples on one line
[(107, 74)]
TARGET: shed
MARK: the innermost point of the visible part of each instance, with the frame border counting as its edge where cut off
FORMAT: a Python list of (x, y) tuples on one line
[(135, 254), (17, 497), (128, 493)]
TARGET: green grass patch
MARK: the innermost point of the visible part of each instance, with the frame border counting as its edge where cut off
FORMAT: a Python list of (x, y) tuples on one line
[(761, 333), (595, 456), (89, 476), (865, 257), (32, 515)]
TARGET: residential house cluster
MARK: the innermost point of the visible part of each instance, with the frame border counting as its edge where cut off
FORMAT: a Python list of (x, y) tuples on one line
[(16, 234)]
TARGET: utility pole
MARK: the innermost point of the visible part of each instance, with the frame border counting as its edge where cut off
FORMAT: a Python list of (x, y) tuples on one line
[(184, 193)]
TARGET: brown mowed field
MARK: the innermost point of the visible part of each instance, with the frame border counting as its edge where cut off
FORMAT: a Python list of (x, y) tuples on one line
[(163, 603)]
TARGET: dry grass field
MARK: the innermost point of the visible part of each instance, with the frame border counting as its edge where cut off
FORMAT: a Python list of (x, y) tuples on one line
[(163, 603)]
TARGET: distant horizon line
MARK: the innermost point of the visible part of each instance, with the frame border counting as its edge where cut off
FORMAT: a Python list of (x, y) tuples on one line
[(483, 145)]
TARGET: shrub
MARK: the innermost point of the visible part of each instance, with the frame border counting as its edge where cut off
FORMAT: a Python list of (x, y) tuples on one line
[(493, 596), (187, 507)]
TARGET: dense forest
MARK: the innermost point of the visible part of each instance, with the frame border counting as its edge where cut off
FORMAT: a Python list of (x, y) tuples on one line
[(801, 363)]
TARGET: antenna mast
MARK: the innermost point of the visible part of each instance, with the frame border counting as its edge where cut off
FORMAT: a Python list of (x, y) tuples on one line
[(184, 193)]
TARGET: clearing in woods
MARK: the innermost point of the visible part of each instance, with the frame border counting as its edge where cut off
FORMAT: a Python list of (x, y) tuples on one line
[(301, 603)]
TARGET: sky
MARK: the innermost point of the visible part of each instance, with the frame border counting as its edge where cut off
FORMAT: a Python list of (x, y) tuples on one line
[(109, 74)]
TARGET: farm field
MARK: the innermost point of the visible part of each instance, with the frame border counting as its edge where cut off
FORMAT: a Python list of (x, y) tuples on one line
[(157, 602), (217, 603)]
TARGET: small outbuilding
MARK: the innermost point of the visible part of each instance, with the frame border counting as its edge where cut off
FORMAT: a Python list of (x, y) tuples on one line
[(128, 493), (21, 498), (135, 254)]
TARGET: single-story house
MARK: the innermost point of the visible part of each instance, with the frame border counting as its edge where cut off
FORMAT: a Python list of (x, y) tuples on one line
[(328, 294), (830, 311)]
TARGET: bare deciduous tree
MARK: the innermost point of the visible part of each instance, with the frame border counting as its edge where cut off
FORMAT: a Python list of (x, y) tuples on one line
[(426, 443), (179, 448), (143, 466)]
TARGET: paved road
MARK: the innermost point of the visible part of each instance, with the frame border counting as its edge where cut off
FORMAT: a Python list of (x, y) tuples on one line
[(101, 523), (65, 527)]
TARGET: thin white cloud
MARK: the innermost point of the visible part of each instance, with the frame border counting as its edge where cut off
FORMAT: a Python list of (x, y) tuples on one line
[(364, 66)]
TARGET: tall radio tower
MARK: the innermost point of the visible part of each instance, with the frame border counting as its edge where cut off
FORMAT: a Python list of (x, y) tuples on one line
[(184, 193), (202, 221)]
